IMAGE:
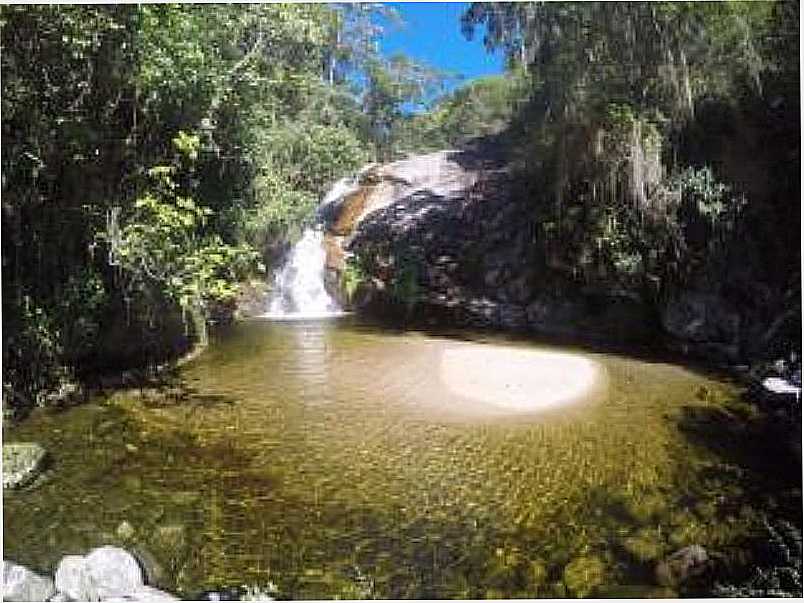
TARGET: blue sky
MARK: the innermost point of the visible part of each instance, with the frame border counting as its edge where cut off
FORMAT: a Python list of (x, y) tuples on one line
[(432, 34)]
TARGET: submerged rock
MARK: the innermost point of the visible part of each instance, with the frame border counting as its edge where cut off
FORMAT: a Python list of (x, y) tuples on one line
[(682, 566), (125, 531), (21, 584), (22, 462)]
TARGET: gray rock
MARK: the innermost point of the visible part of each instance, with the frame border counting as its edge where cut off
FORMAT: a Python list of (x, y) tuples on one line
[(113, 572), (59, 598), (21, 584), (72, 579), (105, 573), (22, 462), (682, 566)]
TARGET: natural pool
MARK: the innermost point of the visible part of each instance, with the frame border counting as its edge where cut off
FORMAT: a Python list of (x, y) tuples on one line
[(332, 459)]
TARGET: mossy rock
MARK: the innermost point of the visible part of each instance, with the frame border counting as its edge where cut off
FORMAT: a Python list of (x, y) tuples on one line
[(646, 545), (22, 462), (584, 575)]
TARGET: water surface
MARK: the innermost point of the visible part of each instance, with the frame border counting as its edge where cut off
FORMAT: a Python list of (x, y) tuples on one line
[(329, 458)]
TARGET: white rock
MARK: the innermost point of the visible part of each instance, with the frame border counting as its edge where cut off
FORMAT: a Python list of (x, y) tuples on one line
[(113, 572), (72, 579), (779, 386), (59, 598), (21, 584)]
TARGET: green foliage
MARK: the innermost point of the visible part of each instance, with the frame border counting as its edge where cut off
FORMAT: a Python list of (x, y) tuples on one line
[(163, 242), (405, 286), (483, 107), (31, 353), (391, 85), (93, 98), (352, 276), (82, 301)]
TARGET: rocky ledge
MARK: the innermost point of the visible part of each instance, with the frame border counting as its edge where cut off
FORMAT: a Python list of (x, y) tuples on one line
[(452, 237)]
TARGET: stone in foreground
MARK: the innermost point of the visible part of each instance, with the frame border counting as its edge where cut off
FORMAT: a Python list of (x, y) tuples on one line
[(106, 573), (22, 462), (21, 584)]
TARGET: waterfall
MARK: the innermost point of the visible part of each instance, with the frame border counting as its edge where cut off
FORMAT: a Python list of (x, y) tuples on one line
[(299, 291)]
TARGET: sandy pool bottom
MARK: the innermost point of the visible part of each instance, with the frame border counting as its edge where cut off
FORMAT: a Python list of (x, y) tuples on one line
[(518, 380)]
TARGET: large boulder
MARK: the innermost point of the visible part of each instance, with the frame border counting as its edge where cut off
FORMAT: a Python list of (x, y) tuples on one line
[(21, 584)]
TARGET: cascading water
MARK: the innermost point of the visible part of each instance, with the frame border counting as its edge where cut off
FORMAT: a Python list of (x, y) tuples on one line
[(299, 291)]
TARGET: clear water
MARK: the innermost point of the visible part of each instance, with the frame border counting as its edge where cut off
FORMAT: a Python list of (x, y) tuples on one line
[(323, 457)]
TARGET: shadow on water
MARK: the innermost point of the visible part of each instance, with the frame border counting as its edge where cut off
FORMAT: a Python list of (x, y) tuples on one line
[(756, 447), (754, 479)]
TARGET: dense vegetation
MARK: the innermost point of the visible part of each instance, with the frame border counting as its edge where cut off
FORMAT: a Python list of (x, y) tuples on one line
[(641, 128), (157, 155)]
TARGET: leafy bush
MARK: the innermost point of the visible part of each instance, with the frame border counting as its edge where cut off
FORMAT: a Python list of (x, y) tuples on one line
[(82, 299), (405, 288), (352, 276), (163, 242), (32, 352)]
